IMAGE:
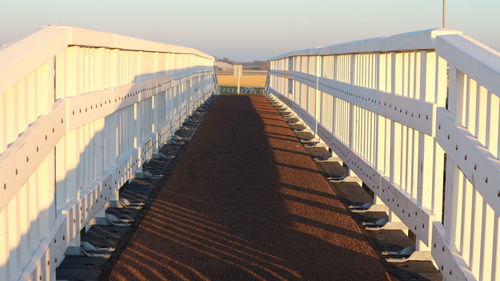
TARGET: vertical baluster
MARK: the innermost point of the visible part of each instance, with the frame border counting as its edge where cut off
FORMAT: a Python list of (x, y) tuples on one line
[(495, 261), (476, 213), (487, 243), (4, 249), (466, 207)]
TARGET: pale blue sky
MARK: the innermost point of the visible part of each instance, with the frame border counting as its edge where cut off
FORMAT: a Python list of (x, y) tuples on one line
[(252, 29)]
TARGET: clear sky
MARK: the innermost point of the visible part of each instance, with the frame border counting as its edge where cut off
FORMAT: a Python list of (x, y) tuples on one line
[(252, 29)]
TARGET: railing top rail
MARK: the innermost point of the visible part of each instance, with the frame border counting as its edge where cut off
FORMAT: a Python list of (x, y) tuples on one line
[(417, 40), (473, 58), (91, 38), (25, 55)]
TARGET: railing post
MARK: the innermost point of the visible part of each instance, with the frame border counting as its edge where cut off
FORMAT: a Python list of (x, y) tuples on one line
[(426, 185), (395, 130), (453, 183), (352, 79), (317, 95), (379, 130)]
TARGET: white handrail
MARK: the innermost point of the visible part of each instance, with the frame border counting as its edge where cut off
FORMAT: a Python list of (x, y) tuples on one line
[(80, 111), (472, 57), (23, 57), (416, 116), (418, 40)]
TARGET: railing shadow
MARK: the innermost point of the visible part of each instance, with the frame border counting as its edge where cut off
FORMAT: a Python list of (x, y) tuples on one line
[(229, 212), (73, 179)]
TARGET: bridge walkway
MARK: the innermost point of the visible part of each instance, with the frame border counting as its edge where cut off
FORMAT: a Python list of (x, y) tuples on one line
[(245, 201)]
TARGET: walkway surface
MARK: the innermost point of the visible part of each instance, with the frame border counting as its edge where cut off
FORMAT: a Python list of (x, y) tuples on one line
[(245, 202)]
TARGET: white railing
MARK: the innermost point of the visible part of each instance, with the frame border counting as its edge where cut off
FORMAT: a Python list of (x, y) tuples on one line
[(80, 111), (416, 117)]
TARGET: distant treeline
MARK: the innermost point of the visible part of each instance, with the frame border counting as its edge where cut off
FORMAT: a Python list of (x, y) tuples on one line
[(250, 65)]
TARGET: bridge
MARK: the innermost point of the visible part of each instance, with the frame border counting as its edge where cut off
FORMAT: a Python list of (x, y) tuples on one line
[(375, 159)]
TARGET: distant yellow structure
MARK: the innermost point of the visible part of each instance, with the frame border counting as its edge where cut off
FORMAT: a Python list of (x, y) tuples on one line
[(250, 78)]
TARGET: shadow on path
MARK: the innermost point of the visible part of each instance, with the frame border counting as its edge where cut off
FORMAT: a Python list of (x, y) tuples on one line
[(243, 204)]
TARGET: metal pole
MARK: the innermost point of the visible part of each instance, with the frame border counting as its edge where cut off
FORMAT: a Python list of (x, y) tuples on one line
[(444, 14)]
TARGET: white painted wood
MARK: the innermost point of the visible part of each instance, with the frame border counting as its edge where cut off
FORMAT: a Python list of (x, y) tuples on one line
[(419, 40), (70, 137), (403, 106), (472, 57)]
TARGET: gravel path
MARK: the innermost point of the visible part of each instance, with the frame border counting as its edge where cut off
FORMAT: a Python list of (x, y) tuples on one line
[(245, 202)]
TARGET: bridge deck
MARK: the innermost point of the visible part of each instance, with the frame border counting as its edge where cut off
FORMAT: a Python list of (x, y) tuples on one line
[(246, 202)]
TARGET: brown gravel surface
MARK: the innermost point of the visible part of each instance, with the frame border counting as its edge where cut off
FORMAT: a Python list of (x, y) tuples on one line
[(245, 202)]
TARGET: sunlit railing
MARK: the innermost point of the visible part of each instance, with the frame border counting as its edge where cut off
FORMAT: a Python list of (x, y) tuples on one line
[(80, 111), (416, 117)]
